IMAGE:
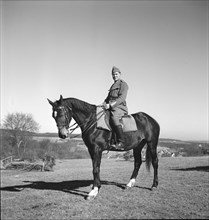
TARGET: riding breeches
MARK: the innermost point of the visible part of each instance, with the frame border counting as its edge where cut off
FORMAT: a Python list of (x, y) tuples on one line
[(115, 115)]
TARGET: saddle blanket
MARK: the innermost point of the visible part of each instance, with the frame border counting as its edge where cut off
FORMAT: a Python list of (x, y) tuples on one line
[(128, 122)]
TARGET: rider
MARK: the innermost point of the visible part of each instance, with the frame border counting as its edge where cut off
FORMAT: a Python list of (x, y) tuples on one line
[(116, 104)]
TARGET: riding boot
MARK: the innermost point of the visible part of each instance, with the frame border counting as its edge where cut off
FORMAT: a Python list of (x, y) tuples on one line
[(119, 137), (113, 140)]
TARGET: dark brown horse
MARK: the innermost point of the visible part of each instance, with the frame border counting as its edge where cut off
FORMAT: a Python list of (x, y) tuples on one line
[(97, 140)]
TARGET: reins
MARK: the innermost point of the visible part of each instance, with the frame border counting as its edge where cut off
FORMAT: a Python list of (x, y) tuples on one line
[(88, 127)]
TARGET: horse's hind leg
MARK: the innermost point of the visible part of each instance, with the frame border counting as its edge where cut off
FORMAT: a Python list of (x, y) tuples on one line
[(137, 163), (154, 158)]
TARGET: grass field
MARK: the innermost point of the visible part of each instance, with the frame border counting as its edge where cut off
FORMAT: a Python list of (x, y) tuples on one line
[(183, 191)]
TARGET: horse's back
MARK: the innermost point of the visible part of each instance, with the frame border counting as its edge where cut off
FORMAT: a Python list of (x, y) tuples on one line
[(141, 116)]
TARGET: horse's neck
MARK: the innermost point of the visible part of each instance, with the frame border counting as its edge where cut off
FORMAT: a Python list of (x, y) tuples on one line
[(82, 111)]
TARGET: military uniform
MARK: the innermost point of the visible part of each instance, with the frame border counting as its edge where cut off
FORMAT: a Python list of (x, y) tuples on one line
[(116, 102)]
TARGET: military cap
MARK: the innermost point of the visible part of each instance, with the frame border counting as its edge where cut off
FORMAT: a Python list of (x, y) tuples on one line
[(115, 69)]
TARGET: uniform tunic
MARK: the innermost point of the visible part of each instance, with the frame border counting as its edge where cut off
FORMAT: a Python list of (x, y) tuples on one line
[(117, 100)]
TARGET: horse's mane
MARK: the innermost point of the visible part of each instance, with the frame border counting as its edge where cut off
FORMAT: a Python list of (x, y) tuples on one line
[(79, 104)]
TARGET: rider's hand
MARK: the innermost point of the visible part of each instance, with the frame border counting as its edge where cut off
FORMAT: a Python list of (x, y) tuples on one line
[(105, 106)]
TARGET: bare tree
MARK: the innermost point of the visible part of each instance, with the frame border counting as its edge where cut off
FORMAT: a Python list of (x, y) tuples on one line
[(20, 127)]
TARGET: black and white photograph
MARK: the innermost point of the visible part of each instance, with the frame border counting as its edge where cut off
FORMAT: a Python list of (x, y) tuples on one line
[(104, 109)]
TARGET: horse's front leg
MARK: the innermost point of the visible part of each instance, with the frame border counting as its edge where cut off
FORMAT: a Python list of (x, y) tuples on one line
[(96, 162)]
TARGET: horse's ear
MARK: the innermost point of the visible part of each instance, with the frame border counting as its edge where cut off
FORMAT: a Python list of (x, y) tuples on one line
[(50, 102), (61, 99)]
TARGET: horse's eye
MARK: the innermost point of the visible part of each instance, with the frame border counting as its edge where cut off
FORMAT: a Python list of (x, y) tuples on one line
[(60, 108)]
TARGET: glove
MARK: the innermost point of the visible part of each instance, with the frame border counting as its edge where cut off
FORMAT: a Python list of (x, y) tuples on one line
[(112, 104)]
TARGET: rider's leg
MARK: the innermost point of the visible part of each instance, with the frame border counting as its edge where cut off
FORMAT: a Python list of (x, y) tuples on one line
[(115, 116)]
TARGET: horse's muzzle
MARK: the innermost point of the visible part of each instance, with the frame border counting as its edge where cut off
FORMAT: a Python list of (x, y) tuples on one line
[(63, 132)]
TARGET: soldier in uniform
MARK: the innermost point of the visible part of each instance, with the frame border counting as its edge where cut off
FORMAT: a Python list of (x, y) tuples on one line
[(116, 104)]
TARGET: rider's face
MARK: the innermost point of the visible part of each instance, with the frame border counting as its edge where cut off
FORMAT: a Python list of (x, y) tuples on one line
[(116, 76)]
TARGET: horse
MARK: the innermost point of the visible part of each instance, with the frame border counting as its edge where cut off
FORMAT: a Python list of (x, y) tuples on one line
[(96, 140)]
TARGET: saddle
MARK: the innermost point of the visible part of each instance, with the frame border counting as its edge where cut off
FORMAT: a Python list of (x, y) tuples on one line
[(127, 121)]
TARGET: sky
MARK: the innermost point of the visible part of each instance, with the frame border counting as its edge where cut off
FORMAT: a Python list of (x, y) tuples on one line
[(68, 48)]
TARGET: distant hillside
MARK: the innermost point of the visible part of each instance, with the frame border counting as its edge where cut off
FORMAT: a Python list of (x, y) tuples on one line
[(161, 140), (52, 135), (185, 148), (45, 134), (74, 147), (166, 147)]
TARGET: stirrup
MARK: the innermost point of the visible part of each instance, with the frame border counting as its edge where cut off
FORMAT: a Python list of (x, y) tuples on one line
[(118, 146)]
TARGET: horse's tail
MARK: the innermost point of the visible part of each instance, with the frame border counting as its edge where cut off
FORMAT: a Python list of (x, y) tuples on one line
[(148, 157)]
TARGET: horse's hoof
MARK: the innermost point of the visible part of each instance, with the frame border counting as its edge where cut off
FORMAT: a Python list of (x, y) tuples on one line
[(153, 188), (90, 198), (92, 195), (127, 188)]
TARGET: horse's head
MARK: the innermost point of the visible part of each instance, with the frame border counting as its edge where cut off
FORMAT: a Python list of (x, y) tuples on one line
[(62, 115)]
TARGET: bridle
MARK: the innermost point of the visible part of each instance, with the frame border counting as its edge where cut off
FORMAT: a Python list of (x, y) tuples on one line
[(67, 121), (65, 113)]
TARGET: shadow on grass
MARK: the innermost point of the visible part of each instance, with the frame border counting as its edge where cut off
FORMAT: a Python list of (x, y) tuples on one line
[(72, 187), (198, 168)]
